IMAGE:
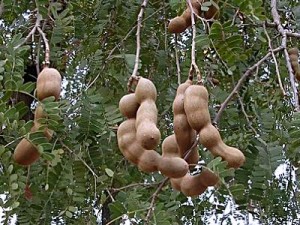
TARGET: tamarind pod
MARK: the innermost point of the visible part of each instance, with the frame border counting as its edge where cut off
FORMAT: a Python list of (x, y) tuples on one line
[(178, 102), (192, 185), (208, 177), (149, 161), (297, 75), (39, 114), (213, 12), (147, 112), (293, 51), (196, 106), (171, 164), (173, 167), (25, 153), (48, 83), (145, 89), (127, 143), (211, 139), (293, 58), (148, 135), (177, 25), (184, 134), (189, 185), (128, 105)]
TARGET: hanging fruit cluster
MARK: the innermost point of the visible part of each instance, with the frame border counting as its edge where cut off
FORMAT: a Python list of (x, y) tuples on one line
[(294, 54), (48, 84), (138, 136), (182, 22)]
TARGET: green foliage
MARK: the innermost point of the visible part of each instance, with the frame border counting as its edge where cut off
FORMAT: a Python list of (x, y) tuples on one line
[(81, 176)]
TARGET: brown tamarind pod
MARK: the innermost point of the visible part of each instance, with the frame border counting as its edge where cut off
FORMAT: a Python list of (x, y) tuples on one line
[(48, 83), (149, 161), (193, 185), (182, 22), (196, 106), (297, 75), (39, 114), (127, 143), (177, 25), (293, 58), (25, 153), (211, 139), (185, 135), (213, 12), (293, 51), (148, 135), (144, 90), (171, 164), (128, 105)]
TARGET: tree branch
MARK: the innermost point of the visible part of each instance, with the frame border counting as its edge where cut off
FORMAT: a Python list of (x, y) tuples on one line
[(283, 33), (239, 84), (275, 60)]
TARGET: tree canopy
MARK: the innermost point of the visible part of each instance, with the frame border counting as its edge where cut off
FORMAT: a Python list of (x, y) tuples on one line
[(241, 56)]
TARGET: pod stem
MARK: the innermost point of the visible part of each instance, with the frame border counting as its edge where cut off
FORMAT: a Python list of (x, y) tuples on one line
[(138, 45), (194, 67)]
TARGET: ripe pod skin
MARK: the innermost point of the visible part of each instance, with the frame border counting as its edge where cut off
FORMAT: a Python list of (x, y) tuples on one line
[(128, 105), (293, 51), (195, 185), (127, 143), (149, 161), (146, 160), (211, 139), (171, 164), (145, 89), (212, 13), (48, 84), (182, 22), (148, 135), (25, 153), (185, 135), (177, 25), (196, 106)]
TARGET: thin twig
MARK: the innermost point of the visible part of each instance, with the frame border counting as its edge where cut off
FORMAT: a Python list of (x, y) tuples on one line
[(31, 33), (47, 47), (239, 84), (133, 185), (153, 199), (164, 181), (246, 115), (177, 61), (86, 165), (275, 60), (138, 45), (110, 54)]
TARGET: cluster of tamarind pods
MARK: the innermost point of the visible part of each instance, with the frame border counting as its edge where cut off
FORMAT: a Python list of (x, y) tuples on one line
[(138, 136), (294, 55), (182, 22), (48, 84)]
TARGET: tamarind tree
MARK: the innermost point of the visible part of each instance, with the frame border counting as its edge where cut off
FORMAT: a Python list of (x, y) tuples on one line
[(241, 56)]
